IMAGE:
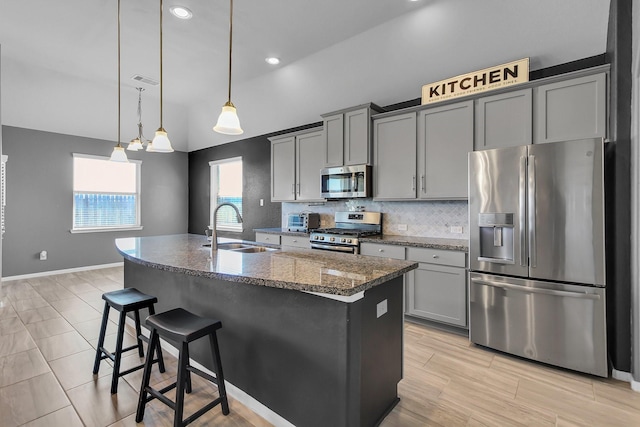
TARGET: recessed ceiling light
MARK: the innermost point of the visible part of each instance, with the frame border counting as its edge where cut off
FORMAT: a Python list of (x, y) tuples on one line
[(272, 60), (181, 12)]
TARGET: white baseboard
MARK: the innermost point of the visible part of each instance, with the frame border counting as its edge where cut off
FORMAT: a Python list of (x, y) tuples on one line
[(65, 271), (232, 390), (626, 377)]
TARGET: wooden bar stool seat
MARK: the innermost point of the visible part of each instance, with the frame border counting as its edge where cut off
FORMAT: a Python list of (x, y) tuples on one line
[(182, 327), (124, 301)]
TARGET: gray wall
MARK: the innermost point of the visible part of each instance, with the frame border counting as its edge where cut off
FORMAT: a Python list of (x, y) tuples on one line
[(256, 177), (40, 201)]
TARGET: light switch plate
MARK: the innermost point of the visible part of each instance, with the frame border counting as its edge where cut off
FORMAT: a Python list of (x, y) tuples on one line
[(381, 308), (456, 229), (402, 227)]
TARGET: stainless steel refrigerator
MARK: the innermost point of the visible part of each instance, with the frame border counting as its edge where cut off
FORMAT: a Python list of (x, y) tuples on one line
[(536, 253)]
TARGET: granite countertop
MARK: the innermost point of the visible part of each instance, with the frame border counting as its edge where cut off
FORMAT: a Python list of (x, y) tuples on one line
[(420, 242), (281, 231), (298, 269)]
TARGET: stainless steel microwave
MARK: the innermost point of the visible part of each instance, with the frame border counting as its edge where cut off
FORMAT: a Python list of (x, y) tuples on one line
[(346, 182)]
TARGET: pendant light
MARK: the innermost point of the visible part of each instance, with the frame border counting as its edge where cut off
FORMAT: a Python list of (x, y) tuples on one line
[(160, 143), (137, 142), (228, 122), (118, 154)]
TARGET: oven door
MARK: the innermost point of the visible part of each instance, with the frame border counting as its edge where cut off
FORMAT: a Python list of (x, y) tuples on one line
[(335, 248)]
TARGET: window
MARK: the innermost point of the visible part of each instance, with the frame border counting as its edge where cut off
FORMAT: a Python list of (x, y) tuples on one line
[(106, 194), (226, 186)]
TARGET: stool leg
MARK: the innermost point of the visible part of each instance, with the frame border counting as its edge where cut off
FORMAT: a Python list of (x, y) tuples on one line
[(146, 376), (118, 353), (103, 329), (138, 333), (188, 376), (181, 380), (158, 348), (222, 391)]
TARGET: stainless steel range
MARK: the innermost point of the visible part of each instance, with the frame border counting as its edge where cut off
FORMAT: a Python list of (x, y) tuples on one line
[(350, 227)]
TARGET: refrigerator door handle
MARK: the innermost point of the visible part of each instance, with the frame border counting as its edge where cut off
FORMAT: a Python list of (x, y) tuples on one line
[(531, 207), (522, 199), (527, 289)]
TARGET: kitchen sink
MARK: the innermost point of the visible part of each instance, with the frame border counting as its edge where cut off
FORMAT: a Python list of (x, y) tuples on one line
[(241, 247)]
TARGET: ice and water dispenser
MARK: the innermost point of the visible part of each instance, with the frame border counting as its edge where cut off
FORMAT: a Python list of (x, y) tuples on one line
[(496, 237)]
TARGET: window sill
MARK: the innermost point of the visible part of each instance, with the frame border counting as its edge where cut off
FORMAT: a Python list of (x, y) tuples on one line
[(103, 229)]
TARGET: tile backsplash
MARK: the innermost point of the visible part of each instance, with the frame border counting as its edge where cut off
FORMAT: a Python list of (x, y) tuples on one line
[(424, 219)]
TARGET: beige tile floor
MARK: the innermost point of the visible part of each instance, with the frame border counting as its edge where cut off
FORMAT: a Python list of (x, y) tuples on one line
[(49, 329)]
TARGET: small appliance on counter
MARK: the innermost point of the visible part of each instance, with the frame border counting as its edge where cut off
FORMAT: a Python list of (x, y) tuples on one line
[(303, 222)]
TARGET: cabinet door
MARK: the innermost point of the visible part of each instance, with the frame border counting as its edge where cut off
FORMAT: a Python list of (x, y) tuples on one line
[(382, 250), (273, 239), (503, 120), (334, 140), (571, 109), (394, 171), (437, 293), (357, 141), (296, 241), (445, 137), (283, 170), (309, 150)]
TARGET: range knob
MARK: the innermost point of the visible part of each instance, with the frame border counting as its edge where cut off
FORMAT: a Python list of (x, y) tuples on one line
[(349, 240), (333, 239), (343, 240), (321, 237)]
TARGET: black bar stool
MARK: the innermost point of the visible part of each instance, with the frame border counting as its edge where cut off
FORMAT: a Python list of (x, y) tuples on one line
[(181, 326), (125, 301)]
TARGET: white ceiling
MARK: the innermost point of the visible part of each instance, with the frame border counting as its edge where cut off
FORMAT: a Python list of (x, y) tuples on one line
[(59, 68)]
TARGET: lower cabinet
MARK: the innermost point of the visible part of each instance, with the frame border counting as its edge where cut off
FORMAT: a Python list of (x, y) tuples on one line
[(437, 289), (273, 239)]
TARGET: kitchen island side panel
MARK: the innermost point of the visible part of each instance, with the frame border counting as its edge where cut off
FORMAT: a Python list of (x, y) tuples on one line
[(303, 356)]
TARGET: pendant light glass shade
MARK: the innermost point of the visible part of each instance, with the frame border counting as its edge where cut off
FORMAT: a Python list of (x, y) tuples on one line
[(160, 143), (228, 121), (118, 154), (135, 144)]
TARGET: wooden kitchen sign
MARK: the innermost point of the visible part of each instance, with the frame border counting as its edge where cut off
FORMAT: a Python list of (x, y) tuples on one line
[(478, 81)]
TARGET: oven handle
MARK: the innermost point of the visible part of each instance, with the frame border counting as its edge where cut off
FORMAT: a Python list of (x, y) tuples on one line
[(527, 289), (348, 249)]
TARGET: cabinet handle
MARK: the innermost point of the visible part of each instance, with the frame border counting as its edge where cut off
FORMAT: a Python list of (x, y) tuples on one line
[(436, 257), (298, 189), (295, 241), (380, 250), (413, 185), (293, 189), (422, 184)]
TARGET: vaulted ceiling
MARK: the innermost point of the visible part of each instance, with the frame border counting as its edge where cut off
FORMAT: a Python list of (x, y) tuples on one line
[(59, 59)]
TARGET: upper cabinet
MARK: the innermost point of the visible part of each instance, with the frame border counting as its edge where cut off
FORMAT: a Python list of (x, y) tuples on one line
[(503, 120), (347, 136), (571, 109), (445, 137), (423, 155), (296, 160), (394, 145)]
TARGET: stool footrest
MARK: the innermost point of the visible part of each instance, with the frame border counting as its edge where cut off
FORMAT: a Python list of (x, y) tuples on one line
[(201, 412), (202, 374), (157, 394), (106, 354)]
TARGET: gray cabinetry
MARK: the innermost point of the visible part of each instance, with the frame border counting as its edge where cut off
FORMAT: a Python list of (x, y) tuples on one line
[(347, 135), (283, 169), (503, 120), (295, 241), (381, 250), (445, 137), (296, 160), (571, 109), (273, 239), (394, 172), (437, 290)]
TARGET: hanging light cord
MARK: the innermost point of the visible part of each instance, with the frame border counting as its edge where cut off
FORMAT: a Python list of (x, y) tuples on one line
[(140, 135), (161, 85), (119, 73), (230, 45)]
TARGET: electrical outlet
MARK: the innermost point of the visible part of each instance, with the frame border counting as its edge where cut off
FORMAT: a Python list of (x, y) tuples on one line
[(381, 308), (456, 229), (261, 202), (43, 255), (402, 227)]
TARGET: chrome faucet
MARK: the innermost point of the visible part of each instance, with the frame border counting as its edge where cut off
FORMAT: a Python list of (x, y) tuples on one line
[(214, 231)]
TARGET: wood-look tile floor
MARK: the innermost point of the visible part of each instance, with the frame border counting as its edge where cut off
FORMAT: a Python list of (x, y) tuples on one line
[(49, 329)]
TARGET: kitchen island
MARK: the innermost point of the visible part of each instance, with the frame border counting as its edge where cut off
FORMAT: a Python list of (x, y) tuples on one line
[(314, 336)]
